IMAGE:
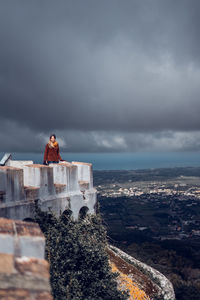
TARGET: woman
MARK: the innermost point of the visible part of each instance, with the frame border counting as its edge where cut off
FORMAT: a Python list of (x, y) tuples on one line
[(52, 152)]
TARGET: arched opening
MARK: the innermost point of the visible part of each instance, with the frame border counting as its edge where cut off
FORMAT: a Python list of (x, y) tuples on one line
[(83, 212), (67, 215), (67, 212)]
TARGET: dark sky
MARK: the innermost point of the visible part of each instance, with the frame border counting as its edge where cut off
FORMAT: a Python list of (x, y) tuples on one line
[(103, 75)]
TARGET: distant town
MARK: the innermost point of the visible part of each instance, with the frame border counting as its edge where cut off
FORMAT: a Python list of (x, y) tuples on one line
[(154, 215), (163, 208)]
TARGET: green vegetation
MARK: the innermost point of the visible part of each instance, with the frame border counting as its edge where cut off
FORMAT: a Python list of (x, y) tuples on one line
[(76, 251)]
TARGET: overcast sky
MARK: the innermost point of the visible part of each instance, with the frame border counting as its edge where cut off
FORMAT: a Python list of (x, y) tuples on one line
[(103, 75)]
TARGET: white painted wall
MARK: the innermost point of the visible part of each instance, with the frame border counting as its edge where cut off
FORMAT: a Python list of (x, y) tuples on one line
[(13, 180)]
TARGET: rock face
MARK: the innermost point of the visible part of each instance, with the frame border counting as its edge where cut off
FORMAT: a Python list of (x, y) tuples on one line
[(56, 186), (148, 279), (24, 273)]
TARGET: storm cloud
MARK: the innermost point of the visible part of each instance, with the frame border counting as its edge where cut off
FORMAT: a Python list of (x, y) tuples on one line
[(103, 75)]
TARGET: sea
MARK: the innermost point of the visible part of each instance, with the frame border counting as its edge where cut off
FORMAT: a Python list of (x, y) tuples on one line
[(122, 161)]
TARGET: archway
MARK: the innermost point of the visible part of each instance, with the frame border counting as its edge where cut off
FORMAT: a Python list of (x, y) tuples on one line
[(83, 212), (67, 214)]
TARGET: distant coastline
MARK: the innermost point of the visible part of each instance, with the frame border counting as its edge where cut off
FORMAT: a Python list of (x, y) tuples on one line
[(123, 161)]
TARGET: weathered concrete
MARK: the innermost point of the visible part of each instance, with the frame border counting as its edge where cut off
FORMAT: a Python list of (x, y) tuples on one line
[(24, 273), (11, 184), (56, 187), (18, 163), (84, 172), (163, 286), (21, 239)]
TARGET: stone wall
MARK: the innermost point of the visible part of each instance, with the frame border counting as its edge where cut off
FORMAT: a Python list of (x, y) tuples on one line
[(150, 280), (24, 273), (56, 187)]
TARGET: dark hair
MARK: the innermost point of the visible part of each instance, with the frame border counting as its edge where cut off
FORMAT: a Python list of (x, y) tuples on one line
[(53, 135)]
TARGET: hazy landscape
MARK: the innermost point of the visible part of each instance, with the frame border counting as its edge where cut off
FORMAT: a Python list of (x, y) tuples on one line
[(154, 215)]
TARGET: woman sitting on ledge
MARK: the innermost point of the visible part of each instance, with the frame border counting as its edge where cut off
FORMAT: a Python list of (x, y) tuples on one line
[(52, 152)]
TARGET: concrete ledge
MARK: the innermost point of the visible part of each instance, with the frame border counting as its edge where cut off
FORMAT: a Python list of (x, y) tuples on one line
[(81, 163), (24, 273), (84, 185), (31, 193), (37, 267), (163, 285), (40, 176), (67, 174), (10, 281), (18, 163), (21, 238), (85, 172), (11, 183), (60, 188), (56, 187)]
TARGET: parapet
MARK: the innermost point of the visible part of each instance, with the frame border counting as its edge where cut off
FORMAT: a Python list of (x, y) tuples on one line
[(56, 187), (152, 282), (24, 273)]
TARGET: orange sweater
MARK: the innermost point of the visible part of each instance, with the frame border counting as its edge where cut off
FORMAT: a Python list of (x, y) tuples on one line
[(52, 154)]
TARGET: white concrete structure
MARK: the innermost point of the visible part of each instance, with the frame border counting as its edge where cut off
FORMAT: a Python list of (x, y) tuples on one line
[(164, 287), (24, 272), (56, 187)]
